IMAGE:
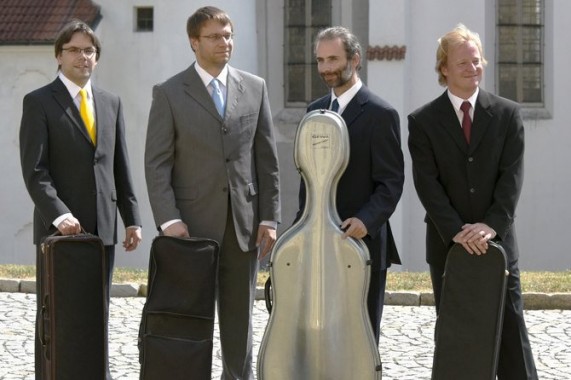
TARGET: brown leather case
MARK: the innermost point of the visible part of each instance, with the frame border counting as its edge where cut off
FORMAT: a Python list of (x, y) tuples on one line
[(73, 327)]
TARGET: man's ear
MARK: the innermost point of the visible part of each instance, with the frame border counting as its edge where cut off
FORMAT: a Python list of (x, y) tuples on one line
[(193, 42), (356, 60)]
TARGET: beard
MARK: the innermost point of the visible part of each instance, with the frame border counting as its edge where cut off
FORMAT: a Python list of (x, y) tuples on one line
[(339, 77)]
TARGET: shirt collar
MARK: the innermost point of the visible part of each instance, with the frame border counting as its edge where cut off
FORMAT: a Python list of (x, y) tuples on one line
[(457, 101), (346, 97), (74, 88), (207, 78)]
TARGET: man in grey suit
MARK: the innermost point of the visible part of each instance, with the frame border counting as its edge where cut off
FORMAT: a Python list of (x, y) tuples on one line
[(77, 176), (469, 180), (212, 171)]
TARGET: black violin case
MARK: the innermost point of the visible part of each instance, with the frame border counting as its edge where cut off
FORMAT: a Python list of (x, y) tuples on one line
[(177, 326), (73, 325), (469, 324)]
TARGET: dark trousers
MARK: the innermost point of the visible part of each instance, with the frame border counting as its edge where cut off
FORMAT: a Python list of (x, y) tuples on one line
[(110, 252), (376, 300), (516, 359)]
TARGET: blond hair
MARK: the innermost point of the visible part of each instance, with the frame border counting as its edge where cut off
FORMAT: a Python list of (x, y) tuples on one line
[(457, 36)]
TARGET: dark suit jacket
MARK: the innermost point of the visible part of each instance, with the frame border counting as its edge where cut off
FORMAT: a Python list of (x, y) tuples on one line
[(64, 172), (457, 183), (372, 184)]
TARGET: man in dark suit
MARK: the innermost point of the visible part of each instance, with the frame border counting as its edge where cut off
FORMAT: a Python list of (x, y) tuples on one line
[(371, 186), (470, 182), (212, 171), (77, 174)]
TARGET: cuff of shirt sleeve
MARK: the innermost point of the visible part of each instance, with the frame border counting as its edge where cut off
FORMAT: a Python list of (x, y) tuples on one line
[(61, 218), (166, 225), (269, 223)]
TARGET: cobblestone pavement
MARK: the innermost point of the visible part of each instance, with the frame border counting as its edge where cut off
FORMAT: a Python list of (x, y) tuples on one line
[(406, 341)]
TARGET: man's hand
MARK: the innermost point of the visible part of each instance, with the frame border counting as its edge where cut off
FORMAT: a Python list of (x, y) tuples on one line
[(474, 237), (354, 227), (69, 226), (133, 237), (177, 229), (265, 240)]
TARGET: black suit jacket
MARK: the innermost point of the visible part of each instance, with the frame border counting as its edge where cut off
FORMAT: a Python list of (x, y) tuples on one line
[(64, 172), (459, 183), (372, 184)]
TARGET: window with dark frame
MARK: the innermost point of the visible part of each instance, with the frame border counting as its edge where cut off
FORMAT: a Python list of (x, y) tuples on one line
[(520, 51), (303, 20), (144, 19)]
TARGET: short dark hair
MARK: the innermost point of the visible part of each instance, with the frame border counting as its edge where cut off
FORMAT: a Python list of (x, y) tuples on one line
[(66, 34), (204, 14), (349, 40)]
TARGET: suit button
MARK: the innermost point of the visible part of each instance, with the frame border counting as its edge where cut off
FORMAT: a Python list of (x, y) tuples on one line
[(224, 189), (225, 131), (227, 160), (470, 159), (472, 190)]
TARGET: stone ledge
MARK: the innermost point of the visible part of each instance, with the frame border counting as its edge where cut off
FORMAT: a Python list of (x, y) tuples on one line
[(532, 301), (124, 290), (8, 285), (402, 298), (547, 301)]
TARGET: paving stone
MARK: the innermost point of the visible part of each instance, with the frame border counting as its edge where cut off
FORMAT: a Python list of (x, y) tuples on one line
[(406, 344)]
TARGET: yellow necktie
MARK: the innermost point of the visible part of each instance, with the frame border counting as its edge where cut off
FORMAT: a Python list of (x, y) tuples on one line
[(87, 115)]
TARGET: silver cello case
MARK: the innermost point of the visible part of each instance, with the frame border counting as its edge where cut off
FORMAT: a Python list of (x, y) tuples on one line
[(319, 326)]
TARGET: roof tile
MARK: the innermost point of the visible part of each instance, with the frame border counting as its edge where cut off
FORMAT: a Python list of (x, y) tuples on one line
[(37, 22)]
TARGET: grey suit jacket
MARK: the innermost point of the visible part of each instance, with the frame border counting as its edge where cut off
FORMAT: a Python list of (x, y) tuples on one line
[(64, 172), (195, 160), (459, 183)]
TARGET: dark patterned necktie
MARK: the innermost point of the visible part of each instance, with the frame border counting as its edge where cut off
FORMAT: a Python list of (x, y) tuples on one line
[(335, 106), (466, 121)]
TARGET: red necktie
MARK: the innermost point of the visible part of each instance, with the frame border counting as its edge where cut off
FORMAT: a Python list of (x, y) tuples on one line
[(466, 121)]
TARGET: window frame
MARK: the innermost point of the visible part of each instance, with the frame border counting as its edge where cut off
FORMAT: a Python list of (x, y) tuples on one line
[(144, 23), (310, 74), (530, 110)]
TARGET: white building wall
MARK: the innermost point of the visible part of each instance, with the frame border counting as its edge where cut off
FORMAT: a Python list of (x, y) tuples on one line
[(131, 63), (544, 211), (22, 70)]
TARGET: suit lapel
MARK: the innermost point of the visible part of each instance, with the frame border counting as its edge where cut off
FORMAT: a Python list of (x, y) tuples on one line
[(355, 106), (449, 121), (235, 90), (194, 87), (101, 104), (62, 97), (482, 117), (323, 103)]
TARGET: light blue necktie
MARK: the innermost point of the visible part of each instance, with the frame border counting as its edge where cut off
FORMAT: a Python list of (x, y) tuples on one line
[(217, 96), (335, 106)]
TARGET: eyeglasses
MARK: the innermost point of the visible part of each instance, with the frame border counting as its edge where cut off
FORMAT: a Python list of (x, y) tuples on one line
[(218, 37), (89, 52)]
